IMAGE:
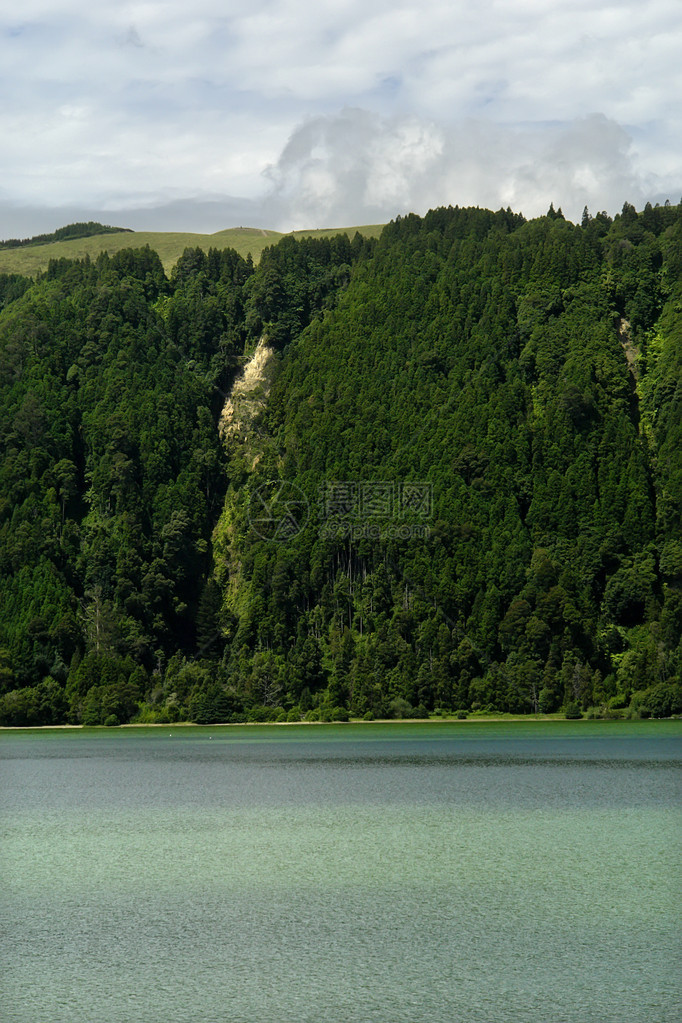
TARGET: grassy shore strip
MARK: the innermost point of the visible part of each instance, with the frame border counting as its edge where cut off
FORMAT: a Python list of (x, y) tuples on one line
[(32, 259), (474, 719)]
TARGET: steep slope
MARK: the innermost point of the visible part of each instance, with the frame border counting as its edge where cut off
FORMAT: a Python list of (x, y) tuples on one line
[(247, 397), (440, 485), (476, 361)]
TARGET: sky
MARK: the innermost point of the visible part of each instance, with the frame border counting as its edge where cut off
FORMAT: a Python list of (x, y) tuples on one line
[(169, 115)]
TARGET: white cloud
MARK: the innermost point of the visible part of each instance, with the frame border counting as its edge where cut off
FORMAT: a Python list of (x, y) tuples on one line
[(357, 166), (118, 104)]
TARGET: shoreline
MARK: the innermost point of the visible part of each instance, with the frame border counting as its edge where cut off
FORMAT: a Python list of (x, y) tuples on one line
[(478, 719)]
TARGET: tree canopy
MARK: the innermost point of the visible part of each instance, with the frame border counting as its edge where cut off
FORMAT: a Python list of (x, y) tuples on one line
[(480, 416)]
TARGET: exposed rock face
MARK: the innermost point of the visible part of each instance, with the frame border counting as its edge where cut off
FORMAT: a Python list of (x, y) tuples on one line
[(629, 347), (248, 396)]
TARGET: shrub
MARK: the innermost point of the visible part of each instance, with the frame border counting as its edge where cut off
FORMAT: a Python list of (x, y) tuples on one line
[(659, 701), (612, 714), (44, 704), (573, 711), (111, 721), (260, 713), (400, 708)]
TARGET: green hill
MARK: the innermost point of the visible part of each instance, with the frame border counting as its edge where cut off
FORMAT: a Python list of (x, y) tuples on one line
[(30, 260), (450, 479), (83, 229)]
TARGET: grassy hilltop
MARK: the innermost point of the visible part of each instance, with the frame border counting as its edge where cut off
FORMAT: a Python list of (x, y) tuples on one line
[(31, 259)]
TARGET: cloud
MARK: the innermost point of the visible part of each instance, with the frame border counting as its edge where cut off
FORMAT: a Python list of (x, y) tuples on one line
[(356, 167), (125, 106)]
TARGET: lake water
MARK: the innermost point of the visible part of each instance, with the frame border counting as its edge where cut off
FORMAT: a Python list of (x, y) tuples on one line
[(401, 873)]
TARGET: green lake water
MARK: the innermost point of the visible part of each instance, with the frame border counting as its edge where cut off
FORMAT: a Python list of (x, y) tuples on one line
[(405, 873)]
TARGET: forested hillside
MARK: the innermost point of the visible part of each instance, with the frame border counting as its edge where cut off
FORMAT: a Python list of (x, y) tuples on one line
[(463, 490)]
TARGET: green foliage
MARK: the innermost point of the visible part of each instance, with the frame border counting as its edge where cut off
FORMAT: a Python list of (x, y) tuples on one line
[(659, 701), (12, 287), (112, 472), (479, 353), (479, 359), (44, 704)]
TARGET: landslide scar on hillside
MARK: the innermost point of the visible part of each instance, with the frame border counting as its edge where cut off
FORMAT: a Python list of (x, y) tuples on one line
[(248, 395)]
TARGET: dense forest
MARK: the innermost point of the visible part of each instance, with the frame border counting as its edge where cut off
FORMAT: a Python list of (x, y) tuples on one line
[(458, 489)]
